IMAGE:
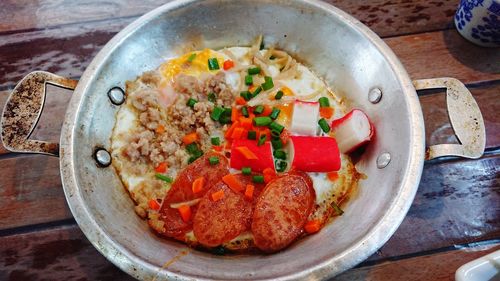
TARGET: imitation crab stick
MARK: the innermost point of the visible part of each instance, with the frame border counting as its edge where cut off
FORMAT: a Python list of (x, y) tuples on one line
[(315, 154), (263, 153), (352, 131), (305, 118)]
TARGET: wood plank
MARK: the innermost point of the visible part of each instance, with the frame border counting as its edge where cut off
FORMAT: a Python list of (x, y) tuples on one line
[(437, 267), (61, 253), (457, 202), (446, 54), (31, 191), (64, 253), (385, 17)]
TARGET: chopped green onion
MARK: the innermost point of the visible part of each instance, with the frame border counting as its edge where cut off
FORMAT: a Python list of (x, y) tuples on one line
[(213, 160), (193, 158), (278, 95), (246, 95), (248, 80), (254, 70), (324, 125), (281, 166), (324, 102), (252, 135), (246, 170), (215, 141), (262, 121), (256, 92), (217, 113), (277, 144), (274, 114), (262, 140), (276, 127), (191, 57), (164, 178), (279, 154), (211, 97), (258, 179), (191, 102), (226, 116), (213, 64), (259, 109), (275, 134), (268, 84), (192, 148), (261, 47), (244, 111)]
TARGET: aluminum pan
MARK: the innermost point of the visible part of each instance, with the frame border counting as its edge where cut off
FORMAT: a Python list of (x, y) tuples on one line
[(361, 60)]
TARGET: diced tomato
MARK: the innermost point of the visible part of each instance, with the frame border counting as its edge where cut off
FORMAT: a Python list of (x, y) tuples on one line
[(263, 153)]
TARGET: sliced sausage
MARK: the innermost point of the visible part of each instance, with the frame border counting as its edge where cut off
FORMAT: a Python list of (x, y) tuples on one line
[(281, 211), (181, 191), (217, 222)]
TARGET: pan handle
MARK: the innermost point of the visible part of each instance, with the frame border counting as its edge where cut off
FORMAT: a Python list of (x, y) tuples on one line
[(22, 112), (465, 118)]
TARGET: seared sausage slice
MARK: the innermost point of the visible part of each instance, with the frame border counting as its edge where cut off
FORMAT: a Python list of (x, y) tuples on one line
[(182, 191), (182, 187), (281, 211), (217, 222)]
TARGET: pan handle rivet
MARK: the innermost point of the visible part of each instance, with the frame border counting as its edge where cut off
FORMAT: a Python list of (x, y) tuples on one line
[(375, 95), (383, 160), (116, 95), (102, 157)]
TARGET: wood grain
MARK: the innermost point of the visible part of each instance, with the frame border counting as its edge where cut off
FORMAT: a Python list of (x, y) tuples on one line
[(457, 202), (385, 17), (61, 253), (31, 191), (436, 267)]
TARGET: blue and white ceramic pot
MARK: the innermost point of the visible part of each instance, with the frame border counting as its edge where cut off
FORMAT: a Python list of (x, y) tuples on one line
[(479, 21)]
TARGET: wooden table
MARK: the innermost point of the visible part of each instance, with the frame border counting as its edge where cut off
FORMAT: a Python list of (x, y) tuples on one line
[(455, 217)]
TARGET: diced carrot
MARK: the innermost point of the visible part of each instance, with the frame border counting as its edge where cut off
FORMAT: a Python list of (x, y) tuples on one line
[(232, 182), (312, 226), (332, 176), (217, 147), (240, 101), (246, 122), (160, 129), (229, 131), (235, 114), (252, 88), (154, 205), (161, 168), (326, 112), (237, 133), (247, 153), (218, 195), (249, 191), (228, 64), (185, 212), (198, 184), (269, 174), (267, 110), (190, 138)]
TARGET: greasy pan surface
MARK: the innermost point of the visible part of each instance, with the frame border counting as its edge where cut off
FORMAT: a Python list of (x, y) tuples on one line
[(352, 60)]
